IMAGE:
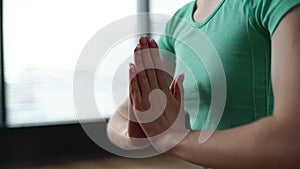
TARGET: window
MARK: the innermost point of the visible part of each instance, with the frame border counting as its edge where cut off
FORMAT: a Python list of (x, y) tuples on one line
[(42, 42), (168, 7)]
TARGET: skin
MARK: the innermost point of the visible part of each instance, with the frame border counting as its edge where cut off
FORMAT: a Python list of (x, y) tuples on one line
[(272, 142), (204, 9)]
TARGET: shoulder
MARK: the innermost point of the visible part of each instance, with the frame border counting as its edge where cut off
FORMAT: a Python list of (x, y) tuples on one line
[(181, 14), (268, 13)]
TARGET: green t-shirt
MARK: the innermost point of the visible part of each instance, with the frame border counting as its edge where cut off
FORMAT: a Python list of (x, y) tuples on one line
[(240, 31)]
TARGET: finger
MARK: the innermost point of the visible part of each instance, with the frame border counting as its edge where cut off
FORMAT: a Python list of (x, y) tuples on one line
[(130, 108), (135, 93), (141, 74), (176, 88), (131, 116), (134, 128), (130, 98), (131, 75), (158, 65), (179, 91), (148, 63), (130, 102), (172, 86)]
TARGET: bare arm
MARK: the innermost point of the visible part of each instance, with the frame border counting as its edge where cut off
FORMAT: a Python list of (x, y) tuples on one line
[(117, 128), (273, 142)]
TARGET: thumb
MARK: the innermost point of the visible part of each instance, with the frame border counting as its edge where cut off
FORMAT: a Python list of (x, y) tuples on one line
[(179, 91), (173, 84)]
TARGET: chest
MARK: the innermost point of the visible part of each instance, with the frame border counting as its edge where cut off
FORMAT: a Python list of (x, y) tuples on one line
[(243, 52)]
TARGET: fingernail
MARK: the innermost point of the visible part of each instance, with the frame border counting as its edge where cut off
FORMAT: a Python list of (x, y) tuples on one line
[(182, 77), (143, 40), (137, 48), (131, 68), (131, 65), (153, 43)]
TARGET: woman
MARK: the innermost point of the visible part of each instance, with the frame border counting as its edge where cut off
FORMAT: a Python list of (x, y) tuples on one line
[(258, 42)]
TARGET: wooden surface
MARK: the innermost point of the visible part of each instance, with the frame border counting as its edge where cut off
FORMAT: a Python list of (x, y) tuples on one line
[(159, 162)]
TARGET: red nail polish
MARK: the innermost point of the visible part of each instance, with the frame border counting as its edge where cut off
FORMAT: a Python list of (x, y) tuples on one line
[(131, 69), (182, 77), (153, 43), (131, 65), (137, 48), (144, 40)]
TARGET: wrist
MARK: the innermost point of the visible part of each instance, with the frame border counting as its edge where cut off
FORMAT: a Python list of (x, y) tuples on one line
[(136, 143), (122, 140), (167, 141)]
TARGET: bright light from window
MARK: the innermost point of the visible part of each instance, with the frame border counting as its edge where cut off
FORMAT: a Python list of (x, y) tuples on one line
[(42, 42), (168, 7)]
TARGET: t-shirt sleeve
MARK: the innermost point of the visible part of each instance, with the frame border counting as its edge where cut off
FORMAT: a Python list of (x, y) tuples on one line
[(165, 41), (268, 13), (166, 44)]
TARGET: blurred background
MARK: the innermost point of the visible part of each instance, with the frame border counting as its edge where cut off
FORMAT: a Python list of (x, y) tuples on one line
[(41, 41)]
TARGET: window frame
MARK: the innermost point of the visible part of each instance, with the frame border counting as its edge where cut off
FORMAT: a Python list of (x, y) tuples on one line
[(2, 87), (44, 144)]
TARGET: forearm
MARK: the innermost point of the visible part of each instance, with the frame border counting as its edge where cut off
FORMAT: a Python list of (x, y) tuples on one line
[(263, 144), (117, 131)]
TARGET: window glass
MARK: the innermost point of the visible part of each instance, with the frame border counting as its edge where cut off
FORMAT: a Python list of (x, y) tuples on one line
[(42, 42)]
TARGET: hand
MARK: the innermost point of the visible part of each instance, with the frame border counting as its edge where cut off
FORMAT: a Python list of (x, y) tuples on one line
[(160, 115), (134, 128)]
